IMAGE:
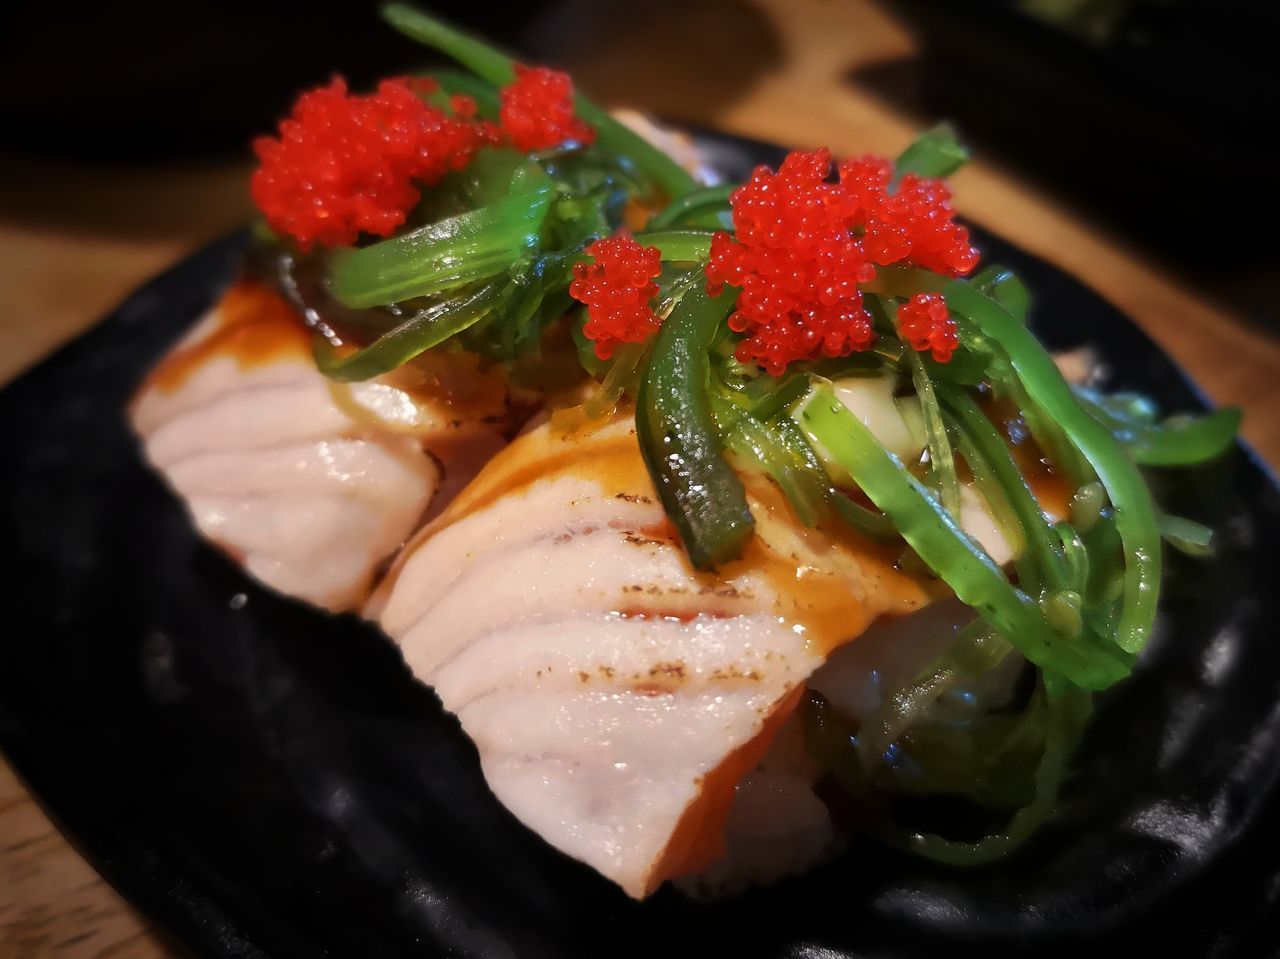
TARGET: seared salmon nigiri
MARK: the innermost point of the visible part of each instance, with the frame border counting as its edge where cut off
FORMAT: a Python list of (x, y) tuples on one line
[(617, 695)]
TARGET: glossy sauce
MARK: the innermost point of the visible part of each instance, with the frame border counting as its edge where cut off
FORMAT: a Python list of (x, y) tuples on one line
[(458, 387), (469, 386), (1051, 490), (255, 326), (611, 460), (816, 574)]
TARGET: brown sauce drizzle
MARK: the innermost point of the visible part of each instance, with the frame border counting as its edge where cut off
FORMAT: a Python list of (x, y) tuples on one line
[(1052, 492), (830, 582), (637, 214), (1050, 488), (255, 326), (470, 387), (613, 461)]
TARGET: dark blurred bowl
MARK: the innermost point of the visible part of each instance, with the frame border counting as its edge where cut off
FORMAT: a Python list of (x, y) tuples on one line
[(1169, 122), (154, 78)]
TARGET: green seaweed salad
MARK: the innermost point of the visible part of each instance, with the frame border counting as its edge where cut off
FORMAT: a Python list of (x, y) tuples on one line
[(484, 263)]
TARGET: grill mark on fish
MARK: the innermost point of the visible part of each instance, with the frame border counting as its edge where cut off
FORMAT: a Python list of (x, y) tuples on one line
[(502, 553)]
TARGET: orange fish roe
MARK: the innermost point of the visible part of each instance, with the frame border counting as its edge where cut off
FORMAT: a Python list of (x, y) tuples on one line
[(802, 245), (926, 324), (618, 289), (797, 265), (537, 110), (345, 165)]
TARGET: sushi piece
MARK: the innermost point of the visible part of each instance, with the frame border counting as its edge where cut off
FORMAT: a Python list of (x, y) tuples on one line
[(635, 712), (617, 695), (310, 485)]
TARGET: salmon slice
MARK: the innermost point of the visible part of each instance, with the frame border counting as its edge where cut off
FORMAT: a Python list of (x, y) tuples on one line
[(616, 695), (309, 484)]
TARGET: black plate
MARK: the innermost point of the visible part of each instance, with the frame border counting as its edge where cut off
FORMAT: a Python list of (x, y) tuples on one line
[(264, 780)]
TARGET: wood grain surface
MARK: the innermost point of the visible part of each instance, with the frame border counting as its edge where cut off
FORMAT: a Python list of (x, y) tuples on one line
[(75, 239)]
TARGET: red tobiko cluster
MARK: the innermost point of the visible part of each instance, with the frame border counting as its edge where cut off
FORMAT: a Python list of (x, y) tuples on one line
[(618, 289), (797, 265), (346, 164), (802, 244), (537, 110), (926, 324)]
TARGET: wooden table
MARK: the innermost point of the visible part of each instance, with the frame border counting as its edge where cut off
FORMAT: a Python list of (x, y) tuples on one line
[(74, 240)]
